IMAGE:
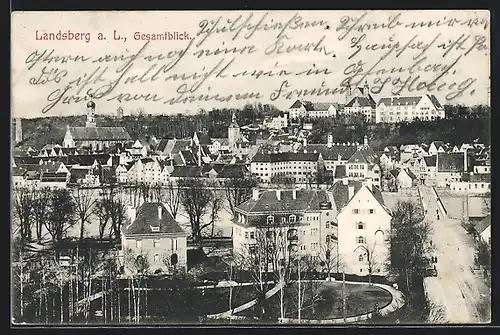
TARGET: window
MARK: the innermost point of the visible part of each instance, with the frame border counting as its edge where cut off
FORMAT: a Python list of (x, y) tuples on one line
[(360, 258), (372, 211), (283, 219), (327, 224), (252, 235), (270, 219), (246, 234), (292, 218), (157, 258), (355, 211), (361, 239), (138, 244), (361, 225), (156, 243)]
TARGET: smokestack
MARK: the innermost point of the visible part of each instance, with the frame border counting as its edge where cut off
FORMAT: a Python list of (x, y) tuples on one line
[(278, 194), (255, 194), (351, 192), (159, 212), (294, 194)]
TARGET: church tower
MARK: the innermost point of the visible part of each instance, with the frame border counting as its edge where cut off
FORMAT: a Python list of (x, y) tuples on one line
[(233, 134), (348, 94), (90, 114)]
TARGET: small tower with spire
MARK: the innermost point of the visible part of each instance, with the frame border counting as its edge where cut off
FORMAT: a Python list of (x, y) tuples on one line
[(366, 89), (233, 133), (90, 122), (348, 93)]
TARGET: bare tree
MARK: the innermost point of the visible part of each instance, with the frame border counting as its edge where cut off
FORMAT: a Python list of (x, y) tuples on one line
[(102, 211), (196, 198), (172, 198), (137, 266), (23, 203), (117, 214), (328, 256), (61, 212), (157, 193), (371, 258), (215, 207), (39, 206), (84, 200), (145, 192), (238, 190)]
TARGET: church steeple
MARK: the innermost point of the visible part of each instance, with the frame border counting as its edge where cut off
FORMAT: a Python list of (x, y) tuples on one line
[(90, 122), (234, 123), (233, 133)]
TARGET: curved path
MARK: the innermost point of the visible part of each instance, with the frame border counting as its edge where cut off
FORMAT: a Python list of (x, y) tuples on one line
[(396, 303)]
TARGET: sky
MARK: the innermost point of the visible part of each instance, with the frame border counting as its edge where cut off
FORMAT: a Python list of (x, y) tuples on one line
[(380, 47)]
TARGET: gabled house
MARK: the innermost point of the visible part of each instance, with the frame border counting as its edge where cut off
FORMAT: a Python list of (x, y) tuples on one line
[(302, 109), (436, 146), (19, 176), (364, 163), (406, 178), (154, 236), (363, 225), (426, 169), (360, 102), (409, 108)]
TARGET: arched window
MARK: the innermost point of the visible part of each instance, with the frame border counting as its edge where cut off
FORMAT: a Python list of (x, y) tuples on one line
[(292, 218), (361, 225), (270, 219), (360, 258), (361, 239)]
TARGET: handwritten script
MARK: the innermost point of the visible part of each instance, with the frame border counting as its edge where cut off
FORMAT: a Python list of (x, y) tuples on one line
[(207, 59)]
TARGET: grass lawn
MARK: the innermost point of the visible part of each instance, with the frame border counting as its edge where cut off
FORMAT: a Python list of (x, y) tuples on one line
[(360, 299), (454, 205)]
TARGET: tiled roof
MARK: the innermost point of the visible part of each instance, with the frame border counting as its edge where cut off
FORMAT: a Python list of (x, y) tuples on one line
[(222, 141), (100, 133), (434, 100), (400, 101), (162, 144), (318, 106), (481, 225), (204, 139), (286, 156), (147, 216), (362, 101), (438, 144), (79, 173), (480, 178), (450, 162), (233, 171), (53, 177), (189, 157), (18, 171), (332, 153), (430, 160), (50, 167), (296, 104), (341, 193), (306, 200), (365, 155), (410, 174), (186, 171), (340, 171), (394, 172)]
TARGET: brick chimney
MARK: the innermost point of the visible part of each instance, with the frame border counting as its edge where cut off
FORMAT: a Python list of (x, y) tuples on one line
[(278, 194), (351, 192), (255, 194)]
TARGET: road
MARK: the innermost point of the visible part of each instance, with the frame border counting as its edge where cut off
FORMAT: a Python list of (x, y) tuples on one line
[(460, 289)]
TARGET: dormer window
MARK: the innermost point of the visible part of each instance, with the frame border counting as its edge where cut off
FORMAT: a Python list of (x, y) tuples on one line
[(270, 219), (155, 229)]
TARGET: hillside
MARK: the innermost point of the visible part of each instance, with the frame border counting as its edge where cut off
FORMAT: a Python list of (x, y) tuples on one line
[(456, 129)]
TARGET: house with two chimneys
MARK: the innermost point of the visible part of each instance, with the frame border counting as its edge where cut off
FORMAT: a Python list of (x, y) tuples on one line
[(153, 242), (359, 101)]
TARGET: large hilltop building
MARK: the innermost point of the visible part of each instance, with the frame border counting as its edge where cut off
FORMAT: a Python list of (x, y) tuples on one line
[(409, 108), (93, 137)]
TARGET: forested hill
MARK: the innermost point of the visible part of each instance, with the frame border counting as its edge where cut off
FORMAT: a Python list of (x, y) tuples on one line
[(459, 127)]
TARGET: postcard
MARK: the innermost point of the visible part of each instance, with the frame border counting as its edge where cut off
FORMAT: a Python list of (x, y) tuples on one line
[(251, 167)]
